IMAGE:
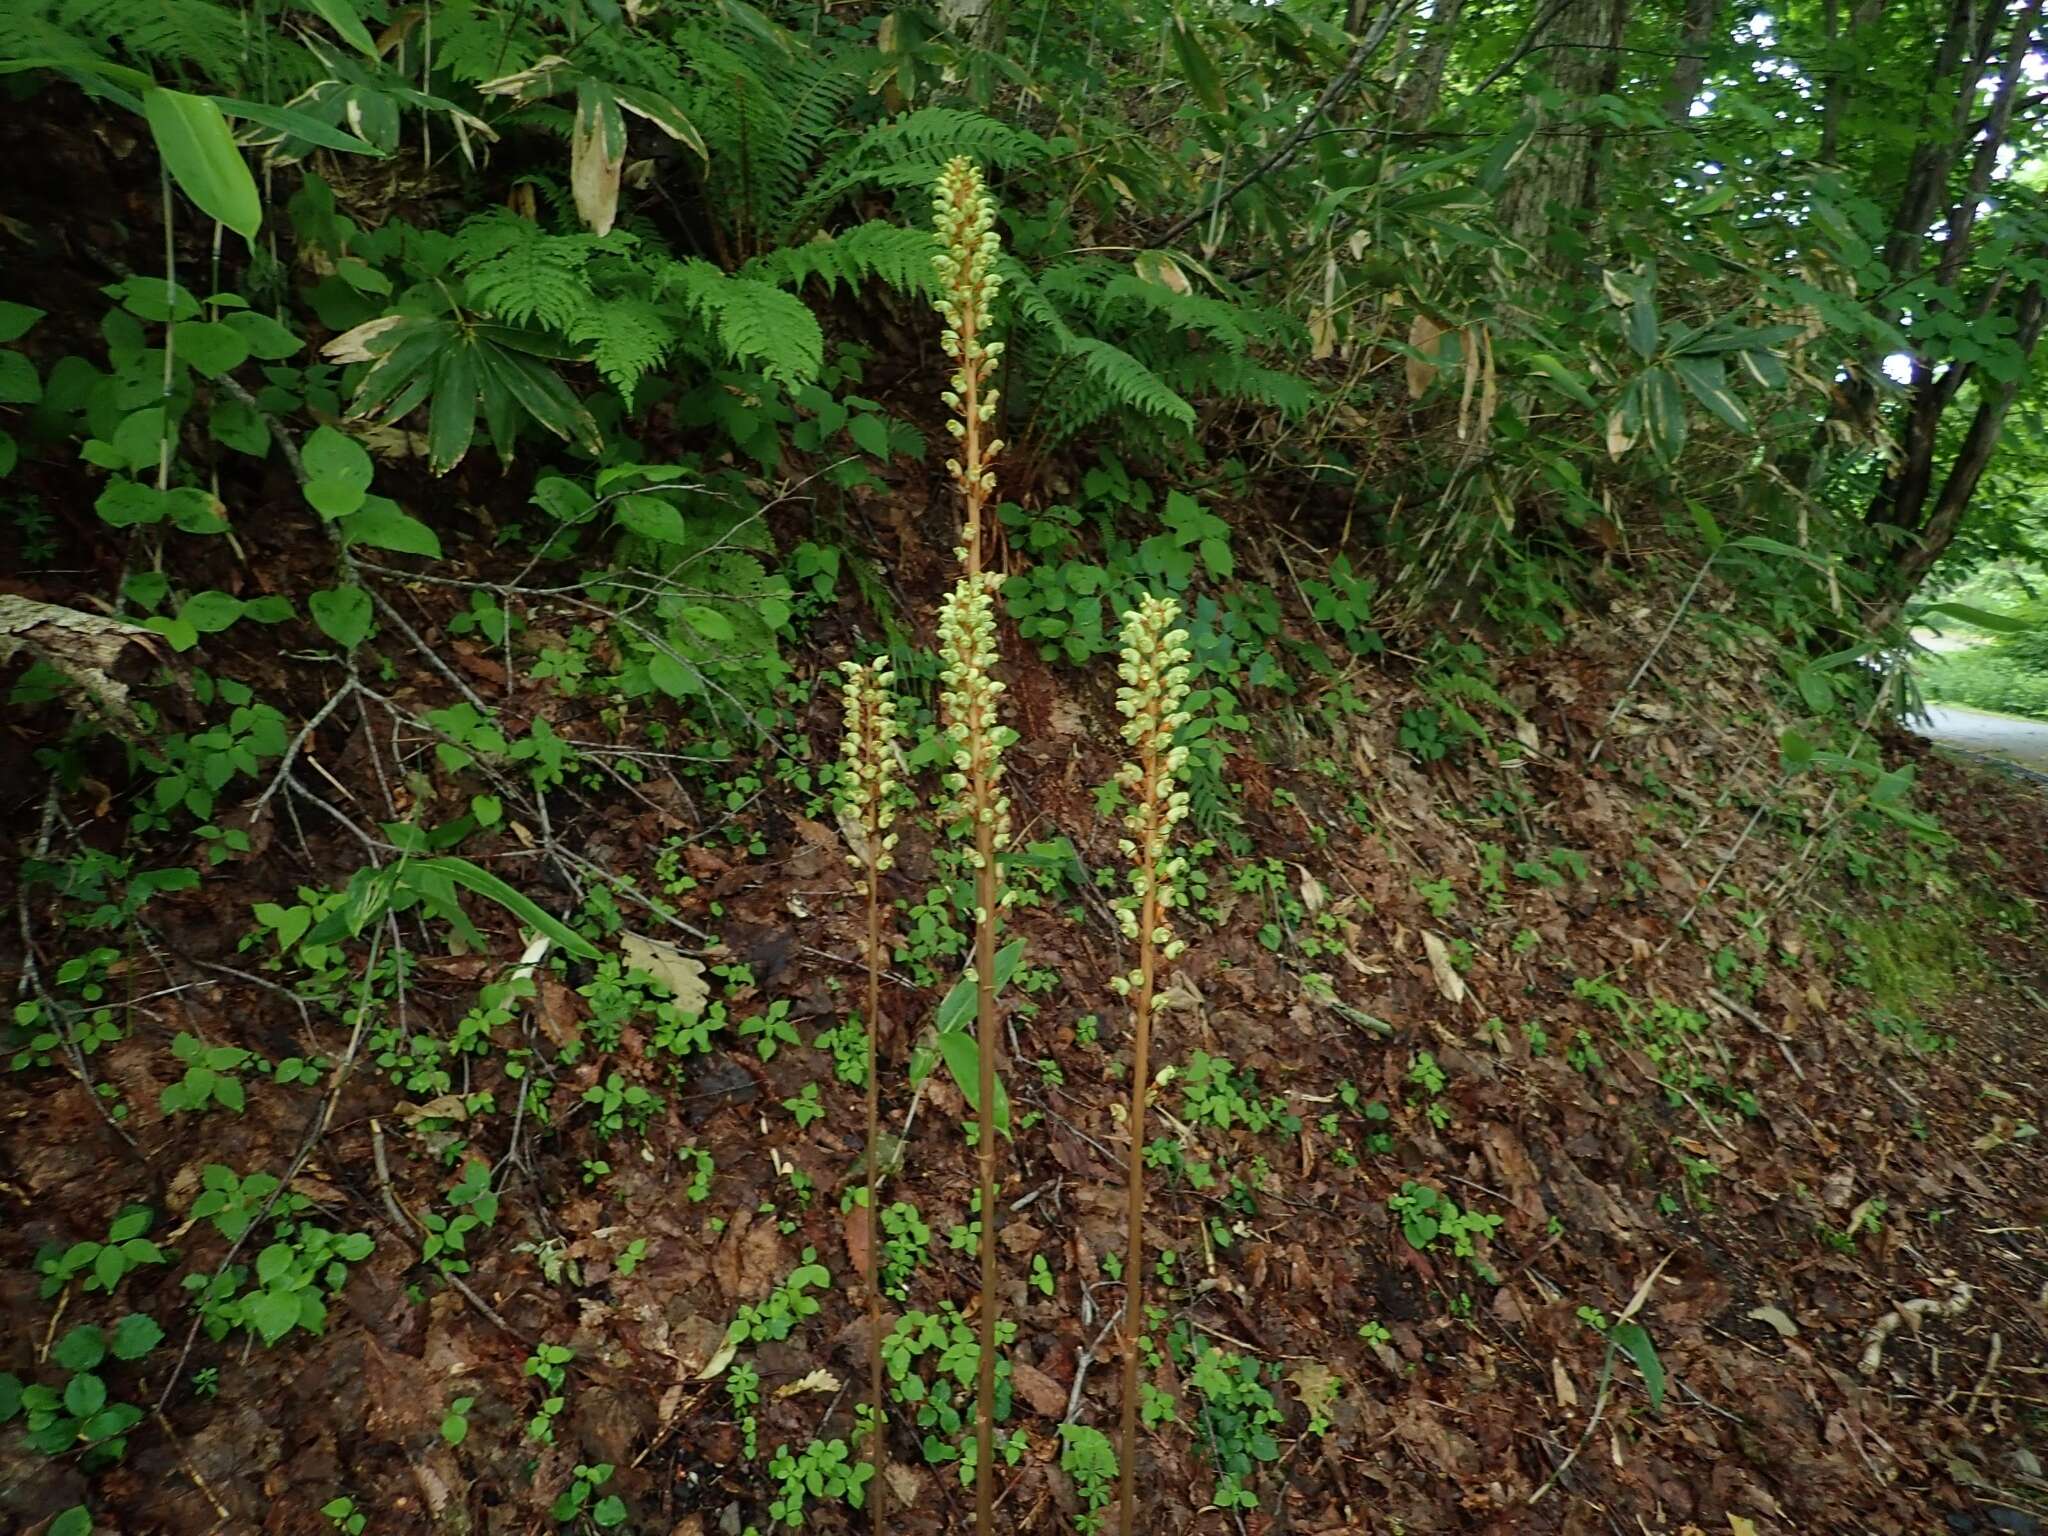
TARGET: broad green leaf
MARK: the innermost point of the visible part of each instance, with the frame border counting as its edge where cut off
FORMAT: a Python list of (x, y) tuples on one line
[(564, 500), (264, 337), (489, 886), (235, 425), (1795, 752), (1664, 413), (1815, 689), (203, 159), (1754, 339), (663, 113), (135, 1336), (84, 1396), (1563, 379), (1708, 381), (653, 518), (957, 1008), (451, 418), (1197, 67), (341, 15), (15, 319), (338, 472), (1710, 530), (273, 1314), (708, 622), (382, 525), (343, 615), (18, 382), (1633, 1341), (285, 123), (870, 434), (211, 612), (1978, 618), (963, 1059), (209, 346), (75, 1521), (81, 1349), (1641, 321), (1767, 546)]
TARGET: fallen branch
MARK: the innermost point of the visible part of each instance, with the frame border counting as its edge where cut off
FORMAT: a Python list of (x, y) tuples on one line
[(1954, 1304)]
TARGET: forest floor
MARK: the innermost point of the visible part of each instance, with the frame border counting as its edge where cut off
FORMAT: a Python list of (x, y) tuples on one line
[(1793, 1139)]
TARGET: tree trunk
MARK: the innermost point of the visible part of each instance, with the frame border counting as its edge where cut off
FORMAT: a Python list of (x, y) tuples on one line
[(1702, 21), (1840, 81), (1578, 51), (1918, 556), (1422, 82)]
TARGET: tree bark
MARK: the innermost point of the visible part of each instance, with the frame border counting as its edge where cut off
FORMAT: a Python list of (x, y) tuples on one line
[(1422, 82), (1840, 81), (1932, 539), (1579, 52), (1702, 21)]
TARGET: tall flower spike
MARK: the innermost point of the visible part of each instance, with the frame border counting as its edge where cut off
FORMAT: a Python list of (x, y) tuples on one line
[(963, 218), (968, 695), (868, 747), (866, 813), (1152, 698)]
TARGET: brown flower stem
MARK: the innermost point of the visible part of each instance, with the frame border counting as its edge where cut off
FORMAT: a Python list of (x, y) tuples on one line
[(1134, 1177), (985, 1025), (878, 1450)]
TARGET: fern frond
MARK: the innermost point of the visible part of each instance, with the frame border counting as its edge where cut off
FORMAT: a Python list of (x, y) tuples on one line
[(199, 35), (1239, 378), (1032, 305), (521, 274), (764, 102), (909, 151), (1129, 382), (755, 322), (627, 338), (900, 257)]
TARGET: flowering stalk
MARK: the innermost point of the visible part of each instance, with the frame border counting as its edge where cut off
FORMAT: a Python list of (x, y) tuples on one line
[(1151, 699), (964, 218), (869, 751), (967, 703)]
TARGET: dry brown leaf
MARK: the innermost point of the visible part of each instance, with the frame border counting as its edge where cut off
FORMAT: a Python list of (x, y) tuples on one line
[(1787, 1329), (1422, 336), (597, 154), (668, 965), (820, 1380), (1047, 1397), (1561, 1383), (1448, 981)]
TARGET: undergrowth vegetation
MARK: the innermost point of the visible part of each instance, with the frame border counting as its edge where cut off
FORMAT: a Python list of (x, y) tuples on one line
[(440, 449)]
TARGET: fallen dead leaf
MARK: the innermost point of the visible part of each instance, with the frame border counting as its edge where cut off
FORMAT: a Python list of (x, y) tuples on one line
[(820, 1380), (1045, 1395), (1448, 981), (1561, 1383), (668, 965)]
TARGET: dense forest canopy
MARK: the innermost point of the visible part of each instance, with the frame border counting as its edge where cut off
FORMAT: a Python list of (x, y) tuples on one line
[(1392, 535)]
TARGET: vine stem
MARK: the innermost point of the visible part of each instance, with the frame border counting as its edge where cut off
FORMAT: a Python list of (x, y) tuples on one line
[(1134, 1178)]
